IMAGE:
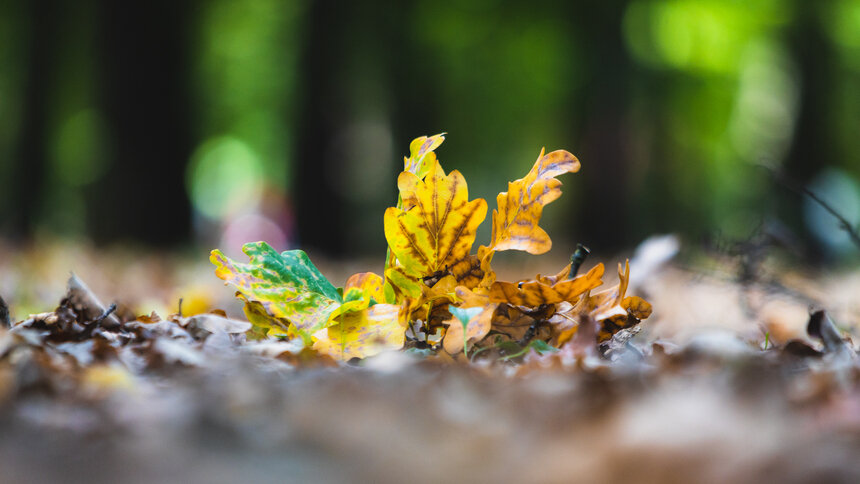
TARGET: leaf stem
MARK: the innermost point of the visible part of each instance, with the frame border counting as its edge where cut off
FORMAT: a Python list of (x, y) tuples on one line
[(465, 347)]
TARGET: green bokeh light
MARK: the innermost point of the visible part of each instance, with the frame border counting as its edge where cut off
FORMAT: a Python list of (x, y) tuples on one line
[(79, 148), (224, 177)]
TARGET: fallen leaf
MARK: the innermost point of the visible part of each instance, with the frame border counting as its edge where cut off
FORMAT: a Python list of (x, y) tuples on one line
[(215, 324), (610, 309), (287, 285), (535, 293), (264, 324), (359, 334)]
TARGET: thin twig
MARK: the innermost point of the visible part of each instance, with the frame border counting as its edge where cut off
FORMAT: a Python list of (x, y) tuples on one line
[(802, 190), (107, 312)]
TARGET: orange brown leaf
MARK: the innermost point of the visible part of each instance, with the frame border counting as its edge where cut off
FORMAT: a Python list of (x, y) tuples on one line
[(515, 221), (536, 293)]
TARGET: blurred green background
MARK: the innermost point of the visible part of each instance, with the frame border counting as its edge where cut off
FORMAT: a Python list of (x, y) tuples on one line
[(171, 123)]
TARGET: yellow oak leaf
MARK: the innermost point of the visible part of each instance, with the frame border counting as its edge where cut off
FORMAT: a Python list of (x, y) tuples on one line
[(361, 291), (400, 285), (368, 282), (439, 230), (364, 333), (421, 155), (604, 301), (467, 271), (614, 312), (421, 158)]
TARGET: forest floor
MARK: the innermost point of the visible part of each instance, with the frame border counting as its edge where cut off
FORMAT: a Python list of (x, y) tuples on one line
[(736, 377)]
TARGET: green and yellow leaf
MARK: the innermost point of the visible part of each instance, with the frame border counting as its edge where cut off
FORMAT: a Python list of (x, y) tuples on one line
[(360, 292), (263, 324), (421, 154), (363, 333), (399, 285), (287, 285)]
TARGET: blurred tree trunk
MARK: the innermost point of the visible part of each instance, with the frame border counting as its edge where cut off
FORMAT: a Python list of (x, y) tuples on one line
[(414, 110), (604, 107), (42, 18), (366, 82), (145, 100), (318, 203), (812, 141)]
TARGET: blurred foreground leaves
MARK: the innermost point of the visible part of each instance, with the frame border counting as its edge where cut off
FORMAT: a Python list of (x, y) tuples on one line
[(194, 397)]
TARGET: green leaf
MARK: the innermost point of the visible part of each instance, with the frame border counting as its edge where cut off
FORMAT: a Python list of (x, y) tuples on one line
[(287, 285), (464, 314)]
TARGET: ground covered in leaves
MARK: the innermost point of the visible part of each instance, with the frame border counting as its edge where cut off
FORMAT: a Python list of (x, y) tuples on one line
[(732, 379)]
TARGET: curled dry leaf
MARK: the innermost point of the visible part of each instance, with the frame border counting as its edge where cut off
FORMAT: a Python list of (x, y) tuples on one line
[(518, 212), (515, 221), (535, 293), (610, 309)]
